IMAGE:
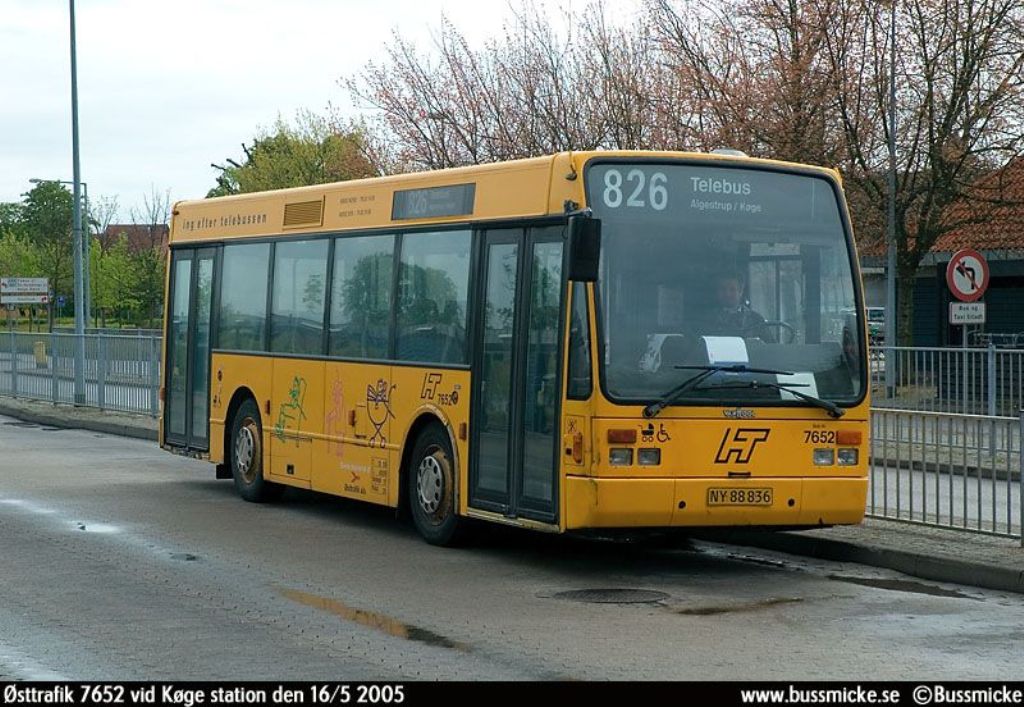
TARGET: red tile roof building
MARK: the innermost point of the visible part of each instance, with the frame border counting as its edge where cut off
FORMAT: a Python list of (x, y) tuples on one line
[(140, 236), (994, 220)]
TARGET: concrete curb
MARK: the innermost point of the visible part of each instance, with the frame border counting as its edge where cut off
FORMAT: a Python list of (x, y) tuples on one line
[(931, 567), (57, 419)]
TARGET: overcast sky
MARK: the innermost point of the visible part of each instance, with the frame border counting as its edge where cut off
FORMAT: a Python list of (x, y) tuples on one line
[(166, 88)]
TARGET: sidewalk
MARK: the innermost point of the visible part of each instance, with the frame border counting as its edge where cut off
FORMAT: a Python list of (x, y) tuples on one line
[(84, 418), (929, 553)]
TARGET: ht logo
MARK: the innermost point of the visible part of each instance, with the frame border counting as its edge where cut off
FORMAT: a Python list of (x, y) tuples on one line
[(738, 447), (430, 383)]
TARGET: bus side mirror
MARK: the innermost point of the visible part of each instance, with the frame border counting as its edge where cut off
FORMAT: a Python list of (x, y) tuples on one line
[(584, 247)]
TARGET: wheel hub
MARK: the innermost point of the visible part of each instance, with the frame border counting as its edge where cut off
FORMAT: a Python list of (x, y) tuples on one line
[(245, 448), (430, 480)]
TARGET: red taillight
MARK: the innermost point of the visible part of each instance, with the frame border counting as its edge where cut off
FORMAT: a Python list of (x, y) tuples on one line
[(849, 437), (622, 436)]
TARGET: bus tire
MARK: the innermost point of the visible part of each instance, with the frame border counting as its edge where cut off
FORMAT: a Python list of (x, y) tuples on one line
[(246, 451), (431, 479)]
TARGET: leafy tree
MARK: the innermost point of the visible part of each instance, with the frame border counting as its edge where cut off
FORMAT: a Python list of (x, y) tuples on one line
[(310, 152), (46, 220), (19, 257), (115, 283), (148, 265), (10, 218)]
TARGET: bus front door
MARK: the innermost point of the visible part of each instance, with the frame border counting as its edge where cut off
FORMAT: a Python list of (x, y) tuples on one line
[(516, 390), (187, 384)]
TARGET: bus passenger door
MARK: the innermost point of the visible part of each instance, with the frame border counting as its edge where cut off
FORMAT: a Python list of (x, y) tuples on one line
[(187, 385), (514, 468)]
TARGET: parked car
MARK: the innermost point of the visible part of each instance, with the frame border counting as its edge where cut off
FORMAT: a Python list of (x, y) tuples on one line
[(876, 325)]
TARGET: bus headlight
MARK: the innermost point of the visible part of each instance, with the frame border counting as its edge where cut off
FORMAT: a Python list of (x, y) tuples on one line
[(824, 457), (648, 457), (849, 456), (620, 456)]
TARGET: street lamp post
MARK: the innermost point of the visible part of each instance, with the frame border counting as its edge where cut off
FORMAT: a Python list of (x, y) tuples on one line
[(86, 242), (890, 270), (77, 229)]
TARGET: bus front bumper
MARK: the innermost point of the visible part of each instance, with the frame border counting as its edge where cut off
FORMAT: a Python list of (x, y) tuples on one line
[(648, 503)]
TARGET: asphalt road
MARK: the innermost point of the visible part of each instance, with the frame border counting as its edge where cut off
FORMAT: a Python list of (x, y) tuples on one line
[(118, 560)]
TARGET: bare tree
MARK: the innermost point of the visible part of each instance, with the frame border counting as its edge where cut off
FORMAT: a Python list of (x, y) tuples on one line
[(959, 109), (147, 264), (155, 213), (801, 80), (102, 212), (573, 82)]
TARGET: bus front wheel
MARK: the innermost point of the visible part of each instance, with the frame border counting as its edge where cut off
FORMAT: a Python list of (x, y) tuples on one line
[(247, 455), (431, 486)]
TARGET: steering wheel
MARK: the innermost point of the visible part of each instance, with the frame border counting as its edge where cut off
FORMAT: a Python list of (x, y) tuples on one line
[(783, 327)]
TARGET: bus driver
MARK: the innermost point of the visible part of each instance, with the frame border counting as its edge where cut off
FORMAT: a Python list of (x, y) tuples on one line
[(732, 316)]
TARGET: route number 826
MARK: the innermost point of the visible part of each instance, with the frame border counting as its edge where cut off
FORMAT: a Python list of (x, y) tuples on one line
[(631, 189)]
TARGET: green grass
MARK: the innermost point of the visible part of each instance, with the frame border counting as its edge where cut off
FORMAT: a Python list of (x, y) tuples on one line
[(40, 324)]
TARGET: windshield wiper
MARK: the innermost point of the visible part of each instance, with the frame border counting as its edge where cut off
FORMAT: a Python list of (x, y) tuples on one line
[(827, 405), (692, 382)]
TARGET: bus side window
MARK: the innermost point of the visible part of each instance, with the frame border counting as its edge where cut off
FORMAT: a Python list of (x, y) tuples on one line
[(243, 297), (579, 385), (297, 298), (361, 296), (432, 295)]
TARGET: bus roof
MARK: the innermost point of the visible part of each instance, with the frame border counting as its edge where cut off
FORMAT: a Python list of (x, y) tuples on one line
[(526, 188)]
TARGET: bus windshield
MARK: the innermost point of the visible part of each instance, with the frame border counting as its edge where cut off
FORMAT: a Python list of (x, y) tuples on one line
[(724, 266)]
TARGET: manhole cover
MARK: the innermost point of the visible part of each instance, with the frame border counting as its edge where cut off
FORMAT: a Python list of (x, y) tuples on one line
[(613, 596)]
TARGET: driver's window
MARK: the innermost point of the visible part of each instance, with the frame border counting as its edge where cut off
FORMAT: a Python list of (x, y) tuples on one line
[(777, 291)]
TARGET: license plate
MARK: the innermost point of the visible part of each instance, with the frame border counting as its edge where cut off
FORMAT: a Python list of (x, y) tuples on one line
[(739, 497)]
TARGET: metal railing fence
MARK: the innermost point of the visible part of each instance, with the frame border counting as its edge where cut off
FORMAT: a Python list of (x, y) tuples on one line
[(122, 371), (973, 381), (947, 470)]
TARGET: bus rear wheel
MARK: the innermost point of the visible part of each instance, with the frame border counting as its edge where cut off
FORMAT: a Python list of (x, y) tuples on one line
[(431, 479), (247, 455)]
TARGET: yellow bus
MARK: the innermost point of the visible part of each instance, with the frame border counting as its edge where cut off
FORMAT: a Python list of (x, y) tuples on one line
[(578, 341)]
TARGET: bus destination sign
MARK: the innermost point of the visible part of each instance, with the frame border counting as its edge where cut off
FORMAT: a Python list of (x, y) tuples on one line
[(433, 202)]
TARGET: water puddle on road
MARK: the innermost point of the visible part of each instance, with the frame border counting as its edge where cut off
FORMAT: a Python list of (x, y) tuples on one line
[(95, 527), (737, 608), (374, 620), (902, 585)]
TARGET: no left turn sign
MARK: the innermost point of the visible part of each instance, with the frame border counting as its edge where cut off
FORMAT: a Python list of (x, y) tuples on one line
[(967, 275)]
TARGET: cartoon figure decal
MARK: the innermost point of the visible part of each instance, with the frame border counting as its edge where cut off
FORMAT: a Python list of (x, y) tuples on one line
[(378, 409), (292, 409), (334, 420)]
